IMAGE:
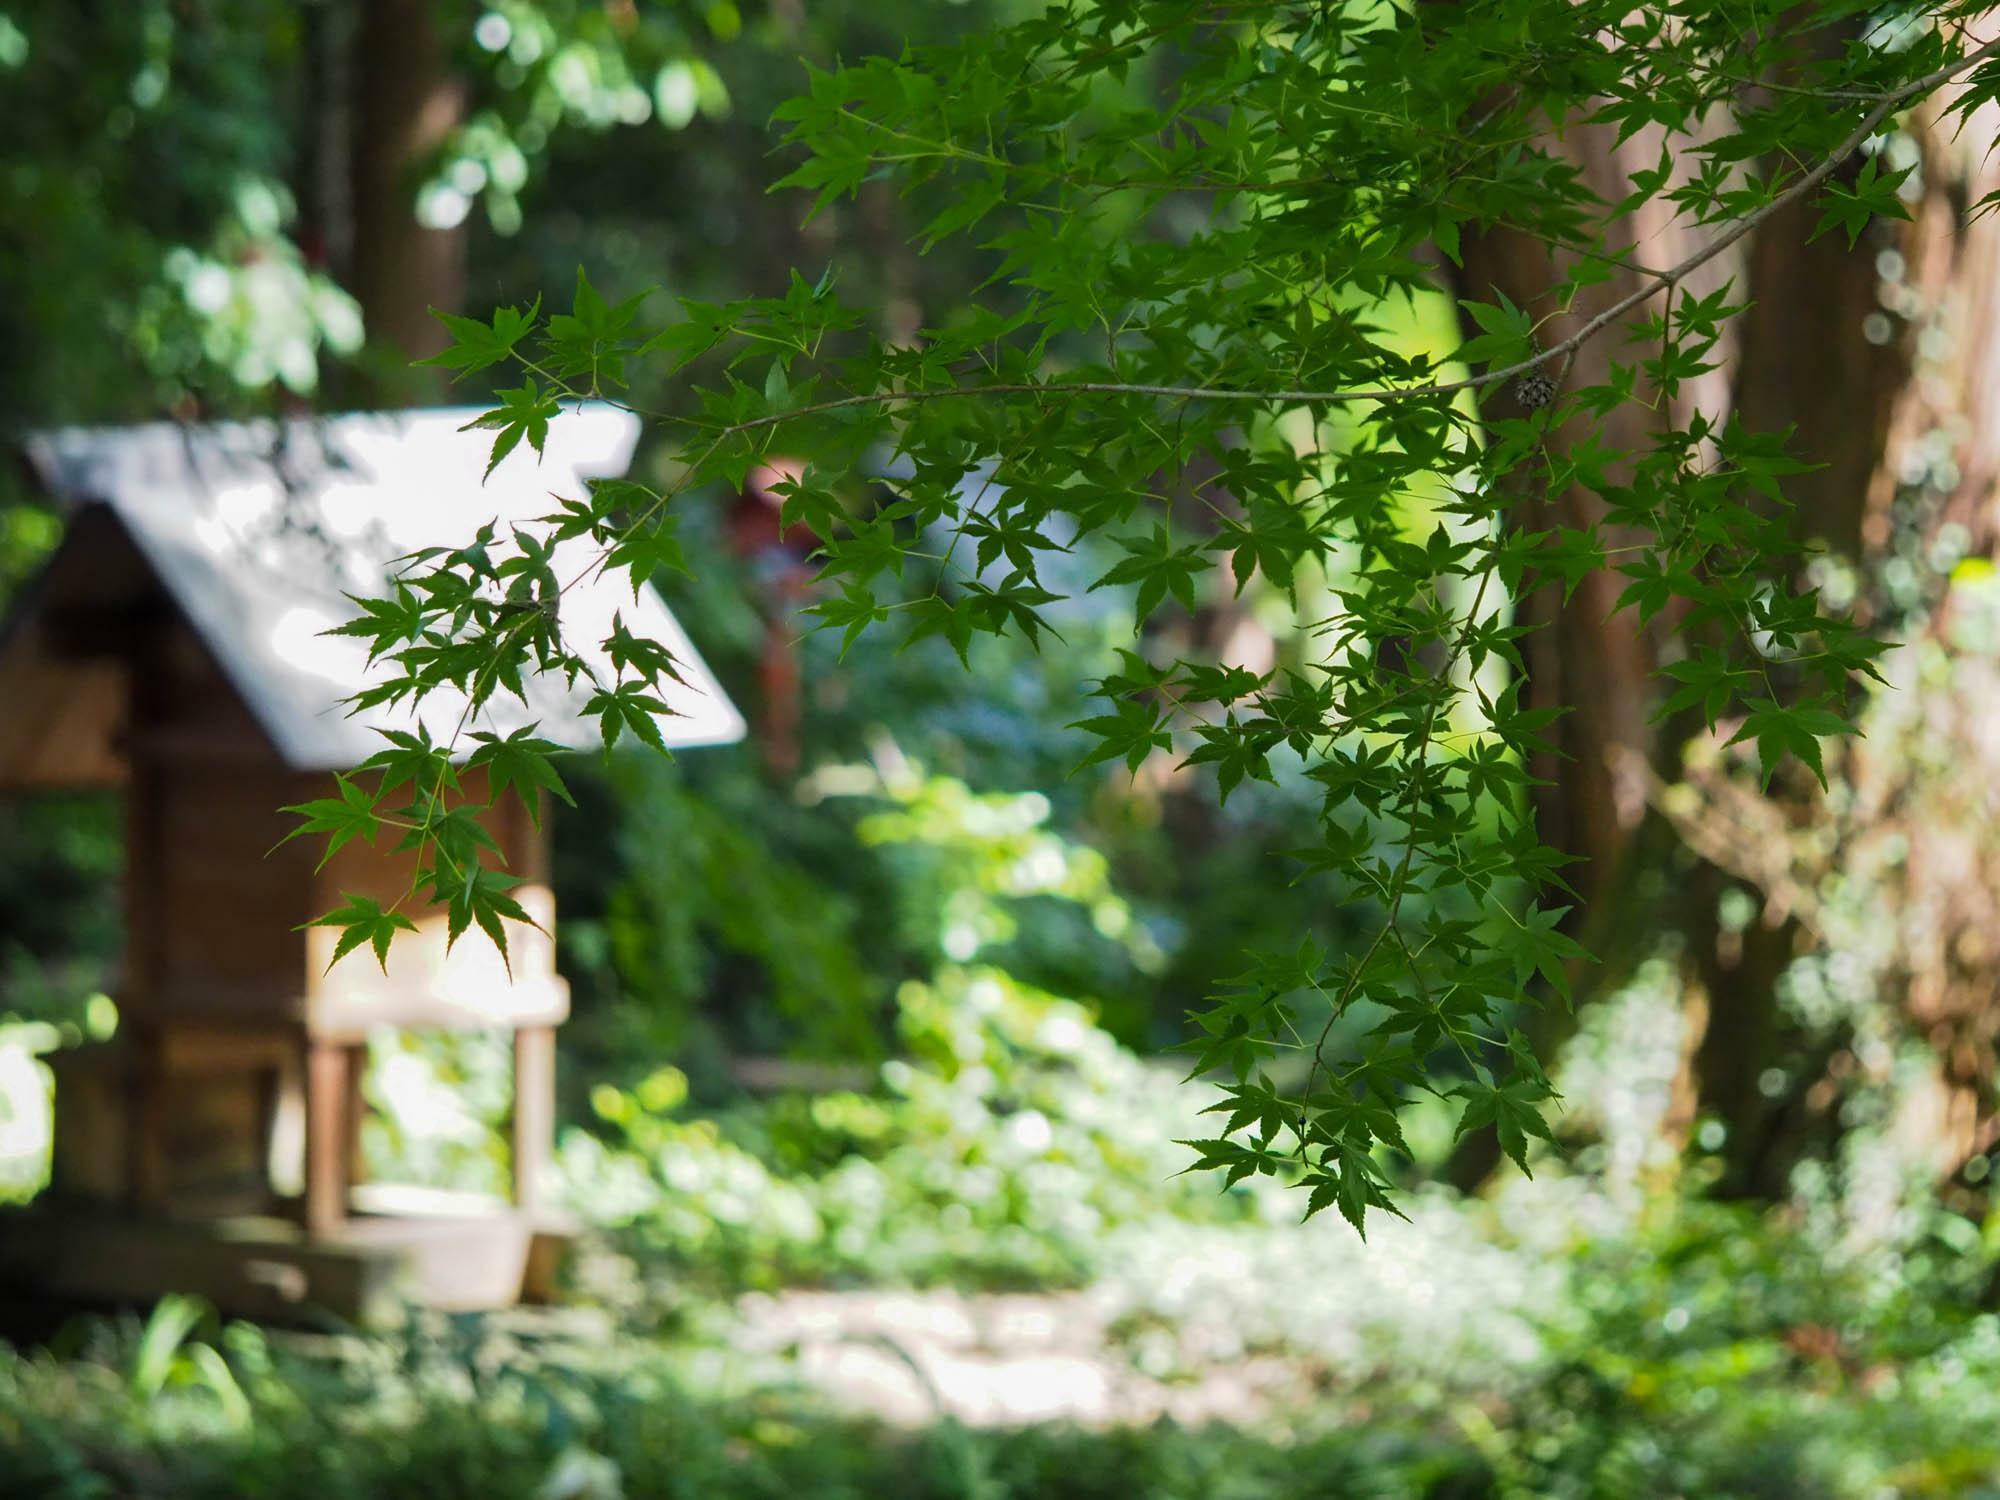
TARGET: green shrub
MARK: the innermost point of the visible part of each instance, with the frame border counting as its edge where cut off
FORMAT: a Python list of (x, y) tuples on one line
[(1718, 1356), (486, 1419), (1008, 1143)]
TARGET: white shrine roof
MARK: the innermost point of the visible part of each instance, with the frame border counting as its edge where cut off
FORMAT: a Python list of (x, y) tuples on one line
[(258, 530)]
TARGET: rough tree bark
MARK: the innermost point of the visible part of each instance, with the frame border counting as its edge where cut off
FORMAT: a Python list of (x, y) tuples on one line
[(1590, 801), (1802, 363), (1812, 354), (1881, 357), (1940, 473), (1881, 361), (406, 103)]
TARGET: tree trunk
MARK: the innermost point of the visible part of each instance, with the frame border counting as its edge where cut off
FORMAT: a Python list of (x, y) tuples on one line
[(406, 104), (1941, 469), (1591, 798), (1881, 357), (1828, 348), (1802, 363)]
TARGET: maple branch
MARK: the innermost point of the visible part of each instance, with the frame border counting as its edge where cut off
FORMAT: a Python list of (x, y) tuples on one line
[(1664, 280)]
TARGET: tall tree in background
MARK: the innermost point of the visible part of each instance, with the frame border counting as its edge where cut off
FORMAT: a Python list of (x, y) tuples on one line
[(1886, 355), (1796, 361), (446, 155), (236, 192), (407, 103), (1587, 659), (1873, 355)]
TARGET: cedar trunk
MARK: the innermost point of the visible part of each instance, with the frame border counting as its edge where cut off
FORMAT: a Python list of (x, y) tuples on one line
[(1828, 348), (406, 104)]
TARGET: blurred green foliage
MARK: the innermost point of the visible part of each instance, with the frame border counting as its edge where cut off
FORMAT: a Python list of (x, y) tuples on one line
[(711, 905), (513, 1422), (1711, 1354), (1002, 1151), (143, 183), (1600, 1332), (1004, 1138)]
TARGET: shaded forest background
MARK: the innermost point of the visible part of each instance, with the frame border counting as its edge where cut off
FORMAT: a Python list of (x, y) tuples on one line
[(215, 209), (256, 211), (235, 265)]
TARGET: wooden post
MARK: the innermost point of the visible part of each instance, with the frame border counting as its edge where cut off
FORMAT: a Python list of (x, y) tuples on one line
[(144, 962), (145, 1151), (356, 1110), (327, 1139), (534, 1112)]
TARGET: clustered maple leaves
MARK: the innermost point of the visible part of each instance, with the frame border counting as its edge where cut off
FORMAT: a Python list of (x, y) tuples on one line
[(1193, 216)]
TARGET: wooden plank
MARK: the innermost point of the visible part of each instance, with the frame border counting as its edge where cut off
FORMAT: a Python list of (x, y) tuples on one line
[(208, 745), (80, 632), (353, 1011), (234, 1005), (144, 886), (93, 1133), (62, 722), (232, 894), (197, 1048), (151, 1121), (248, 1267), (534, 1113)]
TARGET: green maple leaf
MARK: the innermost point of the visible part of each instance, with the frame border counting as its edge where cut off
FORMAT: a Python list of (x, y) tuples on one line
[(649, 549), (1159, 569), (852, 613), (476, 345), (1797, 730), (646, 659), (627, 706), (350, 815), (384, 623), (1874, 195), (1131, 731), (1513, 1110), (362, 919), (520, 761), (1539, 948), (411, 759), (525, 411), (477, 895)]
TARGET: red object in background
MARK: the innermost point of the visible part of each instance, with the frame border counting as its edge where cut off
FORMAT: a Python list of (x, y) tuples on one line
[(780, 559), (754, 525)]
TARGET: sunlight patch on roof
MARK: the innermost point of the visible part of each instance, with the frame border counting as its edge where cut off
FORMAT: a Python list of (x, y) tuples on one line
[(259, 530)]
